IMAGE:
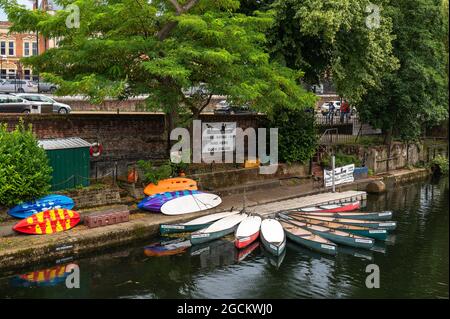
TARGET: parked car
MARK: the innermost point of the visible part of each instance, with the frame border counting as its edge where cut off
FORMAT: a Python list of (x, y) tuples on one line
[(326, 107), (223, 107), (46, 87), (14, 104), (39, 99), (21, 86)]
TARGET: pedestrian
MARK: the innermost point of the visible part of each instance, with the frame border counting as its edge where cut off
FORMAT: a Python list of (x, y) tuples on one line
[(331, 109)]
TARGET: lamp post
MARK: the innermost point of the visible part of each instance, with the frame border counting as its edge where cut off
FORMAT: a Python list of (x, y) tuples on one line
[(37, 47)]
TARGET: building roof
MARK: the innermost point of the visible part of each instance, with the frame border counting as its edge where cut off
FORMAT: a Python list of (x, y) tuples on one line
[(63, 143)]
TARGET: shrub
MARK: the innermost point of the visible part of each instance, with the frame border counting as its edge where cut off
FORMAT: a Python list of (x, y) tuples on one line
[(340, 160), (25, 173), (297, 135), (441, 164), (153, 174)]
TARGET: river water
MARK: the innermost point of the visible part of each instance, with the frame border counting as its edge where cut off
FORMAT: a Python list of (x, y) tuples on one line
[(412, 264)]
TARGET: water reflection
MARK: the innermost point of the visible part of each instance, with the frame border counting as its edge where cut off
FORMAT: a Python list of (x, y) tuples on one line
[(413, 263)]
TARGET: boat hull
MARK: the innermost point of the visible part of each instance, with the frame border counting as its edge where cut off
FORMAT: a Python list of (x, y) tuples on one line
[(343, 208), (363, 216), (27, 209), (274, 249), (154, 202), (379, 234), (373, 225), (165, 229), (198, 238), (362, 242), (313, 245), (242, 242)]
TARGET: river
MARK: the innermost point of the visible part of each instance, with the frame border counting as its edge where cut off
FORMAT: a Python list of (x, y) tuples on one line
[(413, 263)]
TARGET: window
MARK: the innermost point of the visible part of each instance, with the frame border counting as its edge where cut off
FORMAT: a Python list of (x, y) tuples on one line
[(11, 48), (26, 49), (27, 74), (35, 48), (3, 48)]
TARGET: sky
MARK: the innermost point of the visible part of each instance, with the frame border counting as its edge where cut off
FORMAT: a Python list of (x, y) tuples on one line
[(27, 3)]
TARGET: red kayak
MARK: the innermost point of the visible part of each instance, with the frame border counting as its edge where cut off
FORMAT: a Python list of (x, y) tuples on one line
[(48, 222), (334, 208), (247, 231)]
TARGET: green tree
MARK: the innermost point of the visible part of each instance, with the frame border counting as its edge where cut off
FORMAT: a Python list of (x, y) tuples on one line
[(415, 95), (163, 48), (25, 173), (331, 40)]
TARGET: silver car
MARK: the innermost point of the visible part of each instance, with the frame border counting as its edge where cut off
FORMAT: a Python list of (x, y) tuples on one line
[(38, 99), (20, 86)]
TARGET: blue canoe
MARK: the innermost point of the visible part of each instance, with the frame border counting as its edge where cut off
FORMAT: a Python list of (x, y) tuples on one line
[(153, 203), (27, 209)]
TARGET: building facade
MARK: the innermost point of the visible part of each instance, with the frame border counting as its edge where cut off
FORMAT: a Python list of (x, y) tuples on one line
[(15, 46)]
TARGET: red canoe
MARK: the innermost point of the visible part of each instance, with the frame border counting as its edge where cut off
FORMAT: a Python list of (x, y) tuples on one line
[(335, 208), (247, 231), (48, 222)]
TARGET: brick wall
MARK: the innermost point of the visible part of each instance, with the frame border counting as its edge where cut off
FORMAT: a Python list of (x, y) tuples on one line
[(126, 138)]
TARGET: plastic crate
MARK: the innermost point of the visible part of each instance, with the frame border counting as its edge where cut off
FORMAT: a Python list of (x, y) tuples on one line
[(108, 217)]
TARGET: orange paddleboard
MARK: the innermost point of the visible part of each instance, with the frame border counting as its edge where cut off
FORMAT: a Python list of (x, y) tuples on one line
[(48, 222), (171, 185)]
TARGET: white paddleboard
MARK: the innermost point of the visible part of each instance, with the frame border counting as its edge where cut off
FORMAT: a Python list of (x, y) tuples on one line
[(190, 204)]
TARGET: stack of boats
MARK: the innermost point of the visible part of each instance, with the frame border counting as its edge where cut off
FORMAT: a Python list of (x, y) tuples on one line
[(319, 228), (176, 196)]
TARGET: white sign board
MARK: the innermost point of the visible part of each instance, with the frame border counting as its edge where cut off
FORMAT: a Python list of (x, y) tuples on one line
[(218, 137), (342, 175)]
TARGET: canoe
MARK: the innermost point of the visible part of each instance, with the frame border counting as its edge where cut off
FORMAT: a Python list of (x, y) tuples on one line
[(334, 208), (171, 185), (27, 209), (218, 229), (190, 204), (247, 231), (195, 224), (48, 222), (308, 239), (153, 203), (380, 234), (388, 225), (351, 215), (167, 248), (334, 235), (273, 237)]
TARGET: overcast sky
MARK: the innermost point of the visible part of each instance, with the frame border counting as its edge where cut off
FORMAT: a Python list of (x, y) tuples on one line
[(28, 3)]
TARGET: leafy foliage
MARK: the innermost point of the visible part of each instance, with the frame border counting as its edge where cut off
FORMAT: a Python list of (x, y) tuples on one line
[(25, 173), (340, 159), (441, 162), (153, 174), (178, 52), (297, 135), (415, 95)]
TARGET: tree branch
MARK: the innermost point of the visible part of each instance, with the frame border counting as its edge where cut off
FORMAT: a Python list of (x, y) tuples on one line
[(167, 28), (177, 6)]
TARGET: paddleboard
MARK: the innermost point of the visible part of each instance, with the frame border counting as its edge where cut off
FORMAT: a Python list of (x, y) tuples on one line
[(190, 204), (171, 185), (27, 209), (48, 222), (153, 203)]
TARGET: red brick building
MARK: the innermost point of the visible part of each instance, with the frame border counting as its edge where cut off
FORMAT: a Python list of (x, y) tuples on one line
[(14, 46)]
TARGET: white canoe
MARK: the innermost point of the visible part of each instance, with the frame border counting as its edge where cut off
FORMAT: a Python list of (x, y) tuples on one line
[(273, 236), (191, 204), (217, 229), (210, 218), (247, 231)]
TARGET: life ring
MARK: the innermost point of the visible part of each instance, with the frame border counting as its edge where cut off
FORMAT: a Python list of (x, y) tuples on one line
[(96, 149)]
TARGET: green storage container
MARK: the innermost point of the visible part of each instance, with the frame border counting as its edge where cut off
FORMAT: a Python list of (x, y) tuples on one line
[(69, 158)]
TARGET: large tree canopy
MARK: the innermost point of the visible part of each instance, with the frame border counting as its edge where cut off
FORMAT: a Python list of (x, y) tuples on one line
[(163, 48), (417, 93)]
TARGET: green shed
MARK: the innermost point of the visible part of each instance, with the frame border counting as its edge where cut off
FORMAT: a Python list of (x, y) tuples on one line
[(69, 158)]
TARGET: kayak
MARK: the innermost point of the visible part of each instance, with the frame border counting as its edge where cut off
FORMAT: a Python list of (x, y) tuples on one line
[(154, 202), (388, 225), (195, 224), (48, 222), (273, 236), (27, 209), (247, 231), (357, 215), (170, 185), (380, 234), (218, 229), (334, 235), (308, 239), (334, 208)]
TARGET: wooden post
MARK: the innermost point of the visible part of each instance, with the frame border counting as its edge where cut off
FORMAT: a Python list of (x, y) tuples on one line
[(332, 173)]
